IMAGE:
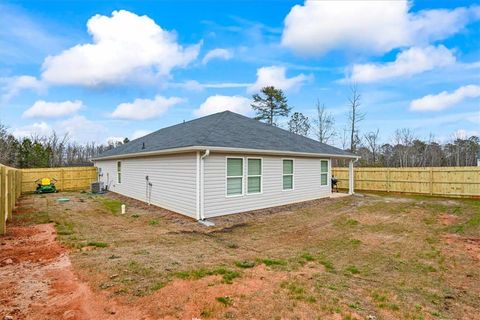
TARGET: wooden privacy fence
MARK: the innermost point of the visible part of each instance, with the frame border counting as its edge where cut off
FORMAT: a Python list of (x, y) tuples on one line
[(68, 178), (10, 190), (438, 181), (14, 182)]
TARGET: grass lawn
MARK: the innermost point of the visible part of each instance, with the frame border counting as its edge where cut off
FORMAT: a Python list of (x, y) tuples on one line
[(388, 257)]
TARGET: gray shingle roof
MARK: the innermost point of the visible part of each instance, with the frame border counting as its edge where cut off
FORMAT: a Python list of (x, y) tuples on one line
[(224, 129)]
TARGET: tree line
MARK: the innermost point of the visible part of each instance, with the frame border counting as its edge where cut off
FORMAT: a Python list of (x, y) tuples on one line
[(404, 150), (270, 105), (48, 151)]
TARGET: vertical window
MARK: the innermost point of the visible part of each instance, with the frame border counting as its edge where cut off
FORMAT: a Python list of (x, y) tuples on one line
[(324, 172), (254, 176), (287, 174), (234, 176), (119, 171)]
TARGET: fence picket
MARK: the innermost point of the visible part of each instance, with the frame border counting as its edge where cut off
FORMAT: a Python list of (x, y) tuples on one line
[(437, 181)]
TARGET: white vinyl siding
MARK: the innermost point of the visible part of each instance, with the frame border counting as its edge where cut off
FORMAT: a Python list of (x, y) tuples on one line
[(324, 172), (173, 179), (234, 177), (287, 180), (254, 175), (306, 184)]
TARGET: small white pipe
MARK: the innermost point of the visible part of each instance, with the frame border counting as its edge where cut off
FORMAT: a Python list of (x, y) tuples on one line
[(123, 209)]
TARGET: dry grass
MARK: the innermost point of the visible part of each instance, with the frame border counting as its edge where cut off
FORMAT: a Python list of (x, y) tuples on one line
[(350, 257)]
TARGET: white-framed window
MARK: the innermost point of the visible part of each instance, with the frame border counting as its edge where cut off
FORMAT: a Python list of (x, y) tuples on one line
[(324, 172), (254, 175), (287, 174), (234, 177), (119, 171)]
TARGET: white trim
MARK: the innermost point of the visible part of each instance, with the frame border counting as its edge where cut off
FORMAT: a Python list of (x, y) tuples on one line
[(198, 213), (241, 177), (224, 150), (292, 174), (253, 176), (321, 172), (119, 172)]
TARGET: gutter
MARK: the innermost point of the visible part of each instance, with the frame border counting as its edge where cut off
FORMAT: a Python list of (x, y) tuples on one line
[(225, 150)]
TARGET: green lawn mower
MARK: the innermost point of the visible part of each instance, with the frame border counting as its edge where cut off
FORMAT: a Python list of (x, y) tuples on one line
[(46, 185)]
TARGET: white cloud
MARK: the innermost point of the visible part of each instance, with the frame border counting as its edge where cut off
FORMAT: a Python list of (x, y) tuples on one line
[(14, 85), (276, 76), (218, 53), (78, 128), (124, 46), (465, 134), (218, 103), (112, 140), (142, 109), (140, 133), (81, 129), (444, 99), (409, 62), (44, 109), (35, 129), (319, 26)]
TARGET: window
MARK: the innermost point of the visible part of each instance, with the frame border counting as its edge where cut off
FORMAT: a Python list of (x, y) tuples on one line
[(324, 172), (287, 174), (254, 176), (119, 171), (234, 176)]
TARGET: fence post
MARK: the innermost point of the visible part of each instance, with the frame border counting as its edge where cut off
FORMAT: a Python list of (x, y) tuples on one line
[(3, 195), (7, 194), (11, 200), (14, 188), (431, 180), (388, 179), (62, 177), (19, 183)]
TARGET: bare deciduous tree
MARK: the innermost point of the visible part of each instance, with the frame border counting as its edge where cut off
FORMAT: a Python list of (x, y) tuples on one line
[(299, 124), (354, 116), (371, 139), (324, 124)]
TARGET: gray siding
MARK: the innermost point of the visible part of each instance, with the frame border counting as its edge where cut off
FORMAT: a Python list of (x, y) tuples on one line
[(173, 178), (307, 185)]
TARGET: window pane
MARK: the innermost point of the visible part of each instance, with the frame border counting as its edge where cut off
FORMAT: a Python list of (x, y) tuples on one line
[(324, 179), (119, 166), (254, 167), (119, 177), (287, 182), (234, 186), (234, 167), (287, 166), (254, 184), (324, 165)]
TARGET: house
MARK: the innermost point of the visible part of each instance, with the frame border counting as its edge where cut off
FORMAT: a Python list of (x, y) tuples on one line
[(220, 164)]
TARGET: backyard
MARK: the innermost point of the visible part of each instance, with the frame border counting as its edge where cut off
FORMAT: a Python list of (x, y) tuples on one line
[(360, 257)]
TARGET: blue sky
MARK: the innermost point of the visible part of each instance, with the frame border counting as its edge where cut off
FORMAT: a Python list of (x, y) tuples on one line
[(99, 70)]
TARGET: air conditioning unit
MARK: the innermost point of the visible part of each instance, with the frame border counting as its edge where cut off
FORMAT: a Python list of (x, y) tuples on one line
[(97, 187)]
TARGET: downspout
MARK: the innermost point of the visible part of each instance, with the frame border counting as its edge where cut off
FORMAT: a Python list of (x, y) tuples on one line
[(201, 215)]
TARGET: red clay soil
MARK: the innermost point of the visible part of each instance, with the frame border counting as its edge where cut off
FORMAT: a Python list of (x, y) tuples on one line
[(37, 281), (470, 245)]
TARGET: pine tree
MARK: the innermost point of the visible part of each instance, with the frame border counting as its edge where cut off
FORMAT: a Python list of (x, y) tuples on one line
[(270, 104)]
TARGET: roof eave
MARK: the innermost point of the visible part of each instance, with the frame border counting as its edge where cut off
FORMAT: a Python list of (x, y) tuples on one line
[(224, 149)]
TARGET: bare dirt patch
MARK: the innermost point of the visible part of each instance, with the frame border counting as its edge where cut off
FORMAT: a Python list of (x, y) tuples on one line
[(346, 258)]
